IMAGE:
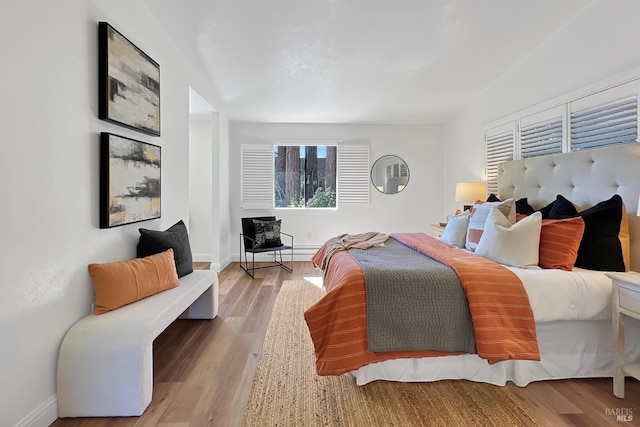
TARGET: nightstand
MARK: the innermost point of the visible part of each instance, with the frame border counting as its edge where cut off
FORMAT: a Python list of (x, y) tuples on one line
[(436, 229), (625, 300)]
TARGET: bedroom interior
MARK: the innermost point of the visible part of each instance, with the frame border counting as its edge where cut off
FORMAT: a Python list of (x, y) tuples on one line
[(423, 82), (581, 302)]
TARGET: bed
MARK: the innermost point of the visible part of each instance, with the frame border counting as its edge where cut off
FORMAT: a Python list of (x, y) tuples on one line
[(571, 308)]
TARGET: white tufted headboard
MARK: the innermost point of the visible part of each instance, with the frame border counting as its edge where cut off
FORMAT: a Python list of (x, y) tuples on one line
[(584, 177)]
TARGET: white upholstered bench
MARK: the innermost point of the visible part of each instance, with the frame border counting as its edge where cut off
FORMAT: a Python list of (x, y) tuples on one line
[(105, 365)]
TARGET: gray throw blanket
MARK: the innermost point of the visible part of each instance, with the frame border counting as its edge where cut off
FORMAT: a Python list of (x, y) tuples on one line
[(413, 301)]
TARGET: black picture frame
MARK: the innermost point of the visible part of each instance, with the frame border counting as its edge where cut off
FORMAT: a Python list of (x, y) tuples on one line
[(128, 81), (130, 180)]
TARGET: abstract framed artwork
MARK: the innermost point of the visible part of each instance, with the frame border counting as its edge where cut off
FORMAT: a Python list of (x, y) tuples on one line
[(129, 180), (129, 83)]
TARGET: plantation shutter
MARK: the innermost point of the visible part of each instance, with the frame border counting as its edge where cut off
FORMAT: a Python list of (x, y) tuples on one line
[(499, 148), (353, 174), (256, 176), (542, 133), (606, 118)]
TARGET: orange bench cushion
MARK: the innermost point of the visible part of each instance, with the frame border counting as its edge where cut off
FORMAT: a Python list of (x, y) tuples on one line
[(120, 283)]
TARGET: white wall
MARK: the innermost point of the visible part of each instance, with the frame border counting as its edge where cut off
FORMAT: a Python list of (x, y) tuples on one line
[(600, 44), (209, 189), (49, 174), (222, 207), (413, 209), (201, 132)]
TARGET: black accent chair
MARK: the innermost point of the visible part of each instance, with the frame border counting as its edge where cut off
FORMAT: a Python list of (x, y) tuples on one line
[(248, 243)]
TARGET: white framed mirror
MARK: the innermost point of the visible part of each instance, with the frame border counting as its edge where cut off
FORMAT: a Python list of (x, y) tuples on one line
[(390, 174)]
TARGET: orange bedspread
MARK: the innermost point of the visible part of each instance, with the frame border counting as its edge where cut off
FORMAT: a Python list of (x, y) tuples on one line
[(502, 317)]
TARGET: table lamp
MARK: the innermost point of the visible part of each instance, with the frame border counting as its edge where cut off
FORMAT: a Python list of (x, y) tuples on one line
[(469, 192)]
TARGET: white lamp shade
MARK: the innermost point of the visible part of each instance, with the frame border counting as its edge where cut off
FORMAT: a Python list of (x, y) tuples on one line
[(638, 213), (470, 191)]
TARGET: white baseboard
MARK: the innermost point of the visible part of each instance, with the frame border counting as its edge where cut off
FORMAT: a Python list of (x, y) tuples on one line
[(228, 260), (299, 254), (213, 265), (201, 257), (43, 416)]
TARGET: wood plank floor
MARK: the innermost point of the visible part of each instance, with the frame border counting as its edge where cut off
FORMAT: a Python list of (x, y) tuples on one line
[(203, 369)]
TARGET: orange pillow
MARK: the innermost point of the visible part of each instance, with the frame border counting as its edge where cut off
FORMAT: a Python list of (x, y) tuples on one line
[(559, 242), (120, 283), (625, 239)]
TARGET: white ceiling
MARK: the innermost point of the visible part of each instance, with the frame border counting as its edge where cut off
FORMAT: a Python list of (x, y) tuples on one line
[(344, 61)]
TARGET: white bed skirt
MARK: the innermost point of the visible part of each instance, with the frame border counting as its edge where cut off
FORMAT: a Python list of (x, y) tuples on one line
[(568, 349)]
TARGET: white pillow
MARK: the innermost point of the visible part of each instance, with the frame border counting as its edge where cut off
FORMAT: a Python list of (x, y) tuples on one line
[(455, 233), (516, 245), (478, 217)]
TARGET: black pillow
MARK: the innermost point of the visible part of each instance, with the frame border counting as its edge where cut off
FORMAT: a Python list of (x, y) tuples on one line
[(601, 248), (561, 208), (267, 233), (546, 210), (175, 237), (522, 205)]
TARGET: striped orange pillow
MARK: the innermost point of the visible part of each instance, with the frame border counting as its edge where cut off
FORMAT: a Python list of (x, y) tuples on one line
[(559, 242)]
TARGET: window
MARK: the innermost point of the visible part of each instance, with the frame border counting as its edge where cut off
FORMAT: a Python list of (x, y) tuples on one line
[(397, 170), (305, 176), (353, 175), (284, 175), (598, 119), (542, 133), (499, 149), (606, 118), (257, 176)]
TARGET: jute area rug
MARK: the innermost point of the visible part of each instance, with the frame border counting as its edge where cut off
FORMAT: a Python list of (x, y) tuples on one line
[(286, 390)]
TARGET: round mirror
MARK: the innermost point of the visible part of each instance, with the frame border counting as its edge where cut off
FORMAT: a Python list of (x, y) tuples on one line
[(390, 174)]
